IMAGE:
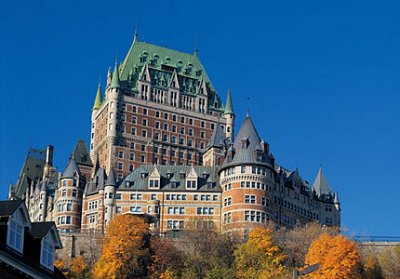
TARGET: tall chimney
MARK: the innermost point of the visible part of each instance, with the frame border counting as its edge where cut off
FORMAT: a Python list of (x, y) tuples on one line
[(49, 155)]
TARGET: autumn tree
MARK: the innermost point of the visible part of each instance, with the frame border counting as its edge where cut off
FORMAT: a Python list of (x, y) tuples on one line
[(337, 257), (258, 257), (78, 268), (389, 261), (207, 253), (167, 260), (296, 241), (125, 252)]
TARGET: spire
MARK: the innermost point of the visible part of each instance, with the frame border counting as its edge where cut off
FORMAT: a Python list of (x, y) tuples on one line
[(97, 101), (336, 199), (229, 106), (320, 184), (115, 77), (111, 179), (218, 137)]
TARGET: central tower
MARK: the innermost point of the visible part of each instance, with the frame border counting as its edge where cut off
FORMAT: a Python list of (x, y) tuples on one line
[(159, 107)]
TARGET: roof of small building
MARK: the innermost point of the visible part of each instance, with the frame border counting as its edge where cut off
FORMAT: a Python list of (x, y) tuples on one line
[(7, 208), (40, 229)]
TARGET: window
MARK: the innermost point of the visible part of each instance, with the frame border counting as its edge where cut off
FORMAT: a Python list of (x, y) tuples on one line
[(264, 201), (153, 197), (47, 254), (68, 220), (15, 235), (69, 206), (191, 184), (227, 201), (144, 111), (133, 119), (153, 183), (117, 209), (135, 209), (74, 193), (144, 133), (227, 218), (92, 218), (136, 196), (250, 199), (120, 165), (118, 196)]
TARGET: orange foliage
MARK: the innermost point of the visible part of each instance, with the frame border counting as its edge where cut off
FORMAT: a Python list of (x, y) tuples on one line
[(78, 266), (337, 257), (259, 257), (124, 248)]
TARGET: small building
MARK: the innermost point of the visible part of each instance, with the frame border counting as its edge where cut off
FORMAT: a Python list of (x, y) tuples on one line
[(27, 248)]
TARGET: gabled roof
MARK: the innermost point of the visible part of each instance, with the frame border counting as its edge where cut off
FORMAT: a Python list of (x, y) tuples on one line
[(320, 184), (246, 153), (32, 170), (71, 169), (97, 183), (7, 208), (41, 229), (218, 137), (81, 154)]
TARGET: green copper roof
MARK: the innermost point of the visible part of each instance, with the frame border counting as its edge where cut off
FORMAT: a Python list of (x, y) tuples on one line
[(229, 106), (97, 101), (163, 63), (115, 82)]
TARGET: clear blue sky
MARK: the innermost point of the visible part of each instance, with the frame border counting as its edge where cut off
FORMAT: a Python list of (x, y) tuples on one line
[(323, 79)]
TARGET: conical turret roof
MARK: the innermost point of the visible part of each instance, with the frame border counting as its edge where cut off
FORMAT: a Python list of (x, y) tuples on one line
[(97, 101), (115, 82), (111, 179), (71, 168), (229, 106), (320, 184), (218, 137), (247, 147)]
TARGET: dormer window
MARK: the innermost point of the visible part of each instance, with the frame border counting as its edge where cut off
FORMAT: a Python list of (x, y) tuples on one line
[(182, 175), (245, 143), (47, 254), (191, 184), (15, 236), (154, 183)]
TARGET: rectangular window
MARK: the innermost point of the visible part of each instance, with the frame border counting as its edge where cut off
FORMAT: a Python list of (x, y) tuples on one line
[(15, 235), (47, 254)]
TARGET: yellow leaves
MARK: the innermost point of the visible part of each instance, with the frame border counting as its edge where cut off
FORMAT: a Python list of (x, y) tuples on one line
[(259, 257), (124, 246), (78, 266), (336, 255)]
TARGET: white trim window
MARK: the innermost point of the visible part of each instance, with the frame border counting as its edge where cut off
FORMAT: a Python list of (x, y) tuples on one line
[(47, 254), (15, 236)]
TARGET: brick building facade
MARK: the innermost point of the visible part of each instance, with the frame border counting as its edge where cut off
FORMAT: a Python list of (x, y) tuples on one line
[(163, 147)]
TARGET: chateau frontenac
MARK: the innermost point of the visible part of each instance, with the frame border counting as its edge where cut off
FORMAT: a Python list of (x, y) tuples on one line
[(163, 146)]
